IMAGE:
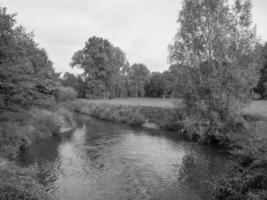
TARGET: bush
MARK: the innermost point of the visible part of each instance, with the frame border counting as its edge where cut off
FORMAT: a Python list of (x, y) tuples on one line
[(246, 176), (11, 138), (117, 113), (46, 121), (242, 183), (19, 184), (66, 94), (30, 126)]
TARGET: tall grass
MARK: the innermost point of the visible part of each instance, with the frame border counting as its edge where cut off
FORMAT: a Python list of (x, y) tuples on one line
[(117, 113), (165, 118), (19, 184), (31, 126)]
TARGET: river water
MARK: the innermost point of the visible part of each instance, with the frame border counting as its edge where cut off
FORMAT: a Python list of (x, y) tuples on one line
[(104, 161)]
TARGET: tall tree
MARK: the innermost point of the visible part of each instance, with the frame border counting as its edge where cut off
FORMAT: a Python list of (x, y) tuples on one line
[(262, 84), (159, 85), (139, 75), (215, 48), (26, 73), (102, 63)]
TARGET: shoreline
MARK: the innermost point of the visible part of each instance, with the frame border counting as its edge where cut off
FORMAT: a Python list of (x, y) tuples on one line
[(159, 117)]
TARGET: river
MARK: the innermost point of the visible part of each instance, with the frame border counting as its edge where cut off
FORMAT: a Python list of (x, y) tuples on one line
[(100, 160)]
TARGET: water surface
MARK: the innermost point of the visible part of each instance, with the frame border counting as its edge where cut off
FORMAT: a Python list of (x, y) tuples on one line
[(104, 161)]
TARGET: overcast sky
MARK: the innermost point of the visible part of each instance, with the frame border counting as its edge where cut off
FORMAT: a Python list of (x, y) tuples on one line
[(141, 28)]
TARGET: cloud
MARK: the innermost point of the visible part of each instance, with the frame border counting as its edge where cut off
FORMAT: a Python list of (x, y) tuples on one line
[(141, 28)]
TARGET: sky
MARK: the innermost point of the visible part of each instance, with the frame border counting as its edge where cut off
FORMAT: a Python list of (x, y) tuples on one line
[(141, 28)]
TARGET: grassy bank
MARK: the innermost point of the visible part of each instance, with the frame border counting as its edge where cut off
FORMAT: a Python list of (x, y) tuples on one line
[(245, 138), (20, 184), (18, 130), (133, 115), (170, 118)]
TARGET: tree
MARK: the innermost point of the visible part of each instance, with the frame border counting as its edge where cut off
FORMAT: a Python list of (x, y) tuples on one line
[(167, 84), (76, 82), (102, 64), (26, 74), (138, 75), (262, 84), (159, 85), (215, 49), (155, 86)]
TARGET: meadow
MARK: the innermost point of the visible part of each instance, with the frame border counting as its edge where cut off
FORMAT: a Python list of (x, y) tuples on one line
[(258, 107)]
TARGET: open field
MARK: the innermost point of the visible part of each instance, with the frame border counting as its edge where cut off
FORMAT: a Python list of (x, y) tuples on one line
[(256, 107), (149, 102)]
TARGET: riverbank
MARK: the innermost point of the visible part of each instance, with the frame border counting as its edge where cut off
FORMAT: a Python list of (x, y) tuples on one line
[(165, 115), (20, 184), (18, 130), (147, 116), (248, 148), (245, 139)]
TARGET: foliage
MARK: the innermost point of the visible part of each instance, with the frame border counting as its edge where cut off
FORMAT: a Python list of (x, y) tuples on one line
[(76, 82), (157, 85), (138, 77), (246, 177), (65, 94), (117, 113), (131, 114), (27, 76), (19, 184), (214, 51), (28, 127), (102, 64), (262, 84)]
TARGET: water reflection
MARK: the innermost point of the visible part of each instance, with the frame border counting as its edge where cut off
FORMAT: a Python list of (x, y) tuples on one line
[(101, 160)]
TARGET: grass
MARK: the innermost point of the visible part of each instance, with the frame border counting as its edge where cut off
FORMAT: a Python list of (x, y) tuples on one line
[(164, 117), (256, 107), (116, 113), (20, 130), (162, 111), (20, 184), (147, 102)]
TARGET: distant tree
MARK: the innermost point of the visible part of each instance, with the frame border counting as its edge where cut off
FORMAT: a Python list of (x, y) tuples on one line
[(155, 86), (262, 84), (138, 75), (102, 64), (215, 49), (75, 82), (167, 84)]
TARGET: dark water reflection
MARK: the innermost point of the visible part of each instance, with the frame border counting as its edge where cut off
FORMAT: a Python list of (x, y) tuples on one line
[(101, 160)]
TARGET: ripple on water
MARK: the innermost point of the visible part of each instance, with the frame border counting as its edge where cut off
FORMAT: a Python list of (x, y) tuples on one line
[(101, 160)]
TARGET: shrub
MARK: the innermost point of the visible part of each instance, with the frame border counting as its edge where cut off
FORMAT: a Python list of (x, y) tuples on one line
[(18, 184), (11, 137), (66, 94), (30, 126), (46, 121), (242, 183), (246, 176), (117, 113)]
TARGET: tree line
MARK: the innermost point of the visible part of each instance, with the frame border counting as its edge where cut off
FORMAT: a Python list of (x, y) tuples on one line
[(26, 73), (108, 74)]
